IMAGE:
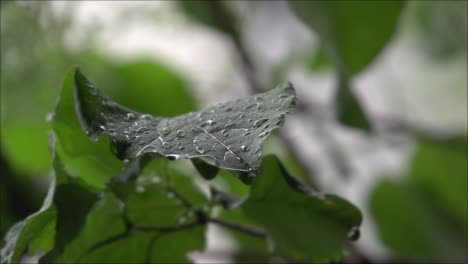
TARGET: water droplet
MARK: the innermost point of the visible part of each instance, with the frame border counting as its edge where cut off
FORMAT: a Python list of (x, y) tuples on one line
[(249, 106), (225, 133), (245, 148), (241, 116), (247, 133), (172, 157), (257, 150), (280, 115), (283, 96), (250, 120), (211, 122), (130, 115), (259, 106), (279, 123), (230, 125), (264, 134), (180, 133), (166, 145), (142, 129), (102, 127), (260, 122), (179, 143), (145, 117), (354, 233), (229, 109), (165, 130), (200, 150), (266, 126), (181, 148)]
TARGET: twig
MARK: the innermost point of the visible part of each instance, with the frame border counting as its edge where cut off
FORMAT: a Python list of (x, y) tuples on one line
[(237, 227), (166, 229)]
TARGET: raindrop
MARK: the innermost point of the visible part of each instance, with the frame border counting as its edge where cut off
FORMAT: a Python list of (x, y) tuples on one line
[(145, 117), (200, 150), (225, 133), (142, 129), (264, 134), (257, 150), (241, 116), (230, 125), (354, 233), (247, 133), (260, 122), (249, 106), (180, 133), (172, 157), (284, 96), (181, 148), (178, 143), (266, 126), (130, 115), (165, 130), (102, 127), (280, 115), (278, 123), (229, 109), (245, 148), (166, 145), (211, 122)]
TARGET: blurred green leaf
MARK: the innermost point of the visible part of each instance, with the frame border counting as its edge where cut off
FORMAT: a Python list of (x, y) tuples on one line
[(317, 225), (442, 170), (353, 32), (230, 134), (412, 224), (348, 108), (205, 169)]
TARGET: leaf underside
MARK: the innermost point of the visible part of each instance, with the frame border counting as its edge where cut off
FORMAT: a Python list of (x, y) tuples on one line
[(228, 134)]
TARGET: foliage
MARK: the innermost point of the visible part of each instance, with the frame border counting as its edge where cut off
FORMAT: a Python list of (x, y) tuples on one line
[(147, 211)]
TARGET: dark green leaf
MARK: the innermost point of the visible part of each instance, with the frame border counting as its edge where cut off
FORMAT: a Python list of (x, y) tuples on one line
[(230, 134), (205, 169), (415, 227), (353, 32), (87, 160), (348, 107), (302, 223)]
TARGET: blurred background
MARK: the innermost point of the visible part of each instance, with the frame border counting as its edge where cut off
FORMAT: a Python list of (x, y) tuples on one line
[(402, 159)]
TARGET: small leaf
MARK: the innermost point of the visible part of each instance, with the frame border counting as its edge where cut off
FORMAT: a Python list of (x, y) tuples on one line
[(301, 222), (229, 134)]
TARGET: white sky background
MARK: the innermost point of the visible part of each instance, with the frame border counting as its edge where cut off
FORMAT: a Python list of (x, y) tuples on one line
[(401, 83)]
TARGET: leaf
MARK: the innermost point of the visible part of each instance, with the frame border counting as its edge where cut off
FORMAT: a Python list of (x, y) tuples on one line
[(414, 226), (228, 201), (205, 169), (353, 32), (90, 161), (229, 134), (302, 223)]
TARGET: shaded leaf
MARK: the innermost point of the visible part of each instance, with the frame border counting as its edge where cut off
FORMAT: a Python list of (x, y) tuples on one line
[(205, 169), (348, 107), (316, 225), (228, 201), (412, 224), (230, 134), (353, 32)]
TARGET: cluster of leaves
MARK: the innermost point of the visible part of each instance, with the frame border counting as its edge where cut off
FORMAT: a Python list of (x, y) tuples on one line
[(102, 209)]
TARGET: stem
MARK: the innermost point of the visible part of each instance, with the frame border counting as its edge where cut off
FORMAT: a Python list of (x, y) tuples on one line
[(237, 227)]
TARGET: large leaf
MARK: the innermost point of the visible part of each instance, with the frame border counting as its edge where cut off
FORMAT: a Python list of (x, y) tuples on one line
[(228, 134), (91, 161), (302, 223)]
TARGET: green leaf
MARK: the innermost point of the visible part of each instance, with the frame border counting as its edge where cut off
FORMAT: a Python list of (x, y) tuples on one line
[(415, 227), (348, 107), (442, 171), (228, 201), (91, 161), (353, 32), (316, 225), (229, 134), (205, 169)]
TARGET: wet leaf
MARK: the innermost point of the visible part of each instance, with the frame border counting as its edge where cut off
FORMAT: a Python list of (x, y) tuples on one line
[(302, 223), (229, 134)]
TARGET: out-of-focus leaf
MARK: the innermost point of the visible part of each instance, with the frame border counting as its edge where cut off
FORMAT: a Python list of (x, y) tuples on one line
[(412, 224), (301, 222), (152, 88), (230, 134), (211, 13), (443, 172), (24, 143), (348, 109), (205, 169), (228, 201), (91, 161), (353, 32)]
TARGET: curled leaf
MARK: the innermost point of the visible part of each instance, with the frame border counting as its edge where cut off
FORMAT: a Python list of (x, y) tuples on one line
[(229, 134)]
